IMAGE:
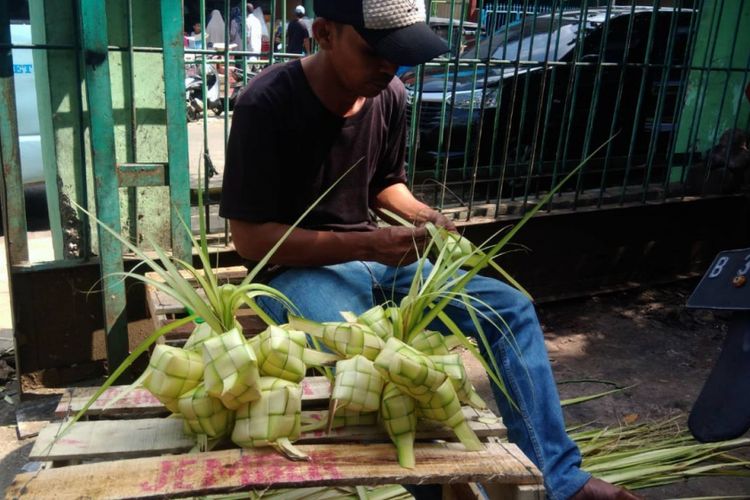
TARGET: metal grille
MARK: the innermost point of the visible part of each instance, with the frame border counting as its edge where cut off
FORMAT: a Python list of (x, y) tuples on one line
[(528, 91)]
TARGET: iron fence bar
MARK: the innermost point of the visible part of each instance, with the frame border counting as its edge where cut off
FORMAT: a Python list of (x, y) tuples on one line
[(666, 70), (243, 31), (177, 139), (272, 35), (467, 139), (511, 111), (283, 25), (540, 104), (446, 164), (94, 32), (570, 99), (206, 154), (416, 115), (83, 187), (524, 102), (496, 121), (537, 143), (131, 147), (496, 125), (499, 100), (480, 127), (724, 92), (467, 62), (442, 128), (440, 61), (11, 182), (550, 97), (618, 102), (594, 104), (639, 104), (444, 172), (225, 104), (469, 120), (703, 91), (695, 16)]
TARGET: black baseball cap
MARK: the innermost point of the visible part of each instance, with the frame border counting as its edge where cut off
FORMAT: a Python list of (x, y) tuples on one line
[(395, 29)]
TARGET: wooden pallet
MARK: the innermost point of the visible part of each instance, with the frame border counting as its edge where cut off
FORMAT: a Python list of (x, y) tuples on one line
[(126, 451)]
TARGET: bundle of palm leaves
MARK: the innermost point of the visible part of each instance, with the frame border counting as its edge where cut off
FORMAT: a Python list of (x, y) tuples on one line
[(655, 453)]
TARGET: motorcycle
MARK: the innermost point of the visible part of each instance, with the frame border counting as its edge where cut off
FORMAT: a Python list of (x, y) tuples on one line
[(194, 94)]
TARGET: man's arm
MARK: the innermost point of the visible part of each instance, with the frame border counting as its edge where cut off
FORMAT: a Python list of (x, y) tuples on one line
[(304, 247), (399, 199)]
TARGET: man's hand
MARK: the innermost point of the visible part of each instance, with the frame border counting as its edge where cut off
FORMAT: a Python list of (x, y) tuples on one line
[(398, 199), (436, 218), (398, 245)]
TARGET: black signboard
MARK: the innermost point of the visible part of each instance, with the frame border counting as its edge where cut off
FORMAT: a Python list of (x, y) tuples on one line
[(726, 284)]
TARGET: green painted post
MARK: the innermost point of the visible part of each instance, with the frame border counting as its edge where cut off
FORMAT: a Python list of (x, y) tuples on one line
[(714, 70), (99, 94), (46, 129), (177, 140), (11, 182)]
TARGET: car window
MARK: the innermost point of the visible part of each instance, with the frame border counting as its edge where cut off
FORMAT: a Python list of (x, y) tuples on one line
[(528, 40), (23, 78)]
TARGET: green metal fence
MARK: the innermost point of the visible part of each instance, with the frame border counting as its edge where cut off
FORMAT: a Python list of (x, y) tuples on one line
[(645, 91), (504, 119)]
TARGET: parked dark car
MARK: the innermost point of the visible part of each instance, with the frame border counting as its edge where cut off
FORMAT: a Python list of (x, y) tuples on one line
[(533, 103)]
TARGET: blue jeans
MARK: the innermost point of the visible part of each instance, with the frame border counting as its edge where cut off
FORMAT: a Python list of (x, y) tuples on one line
[(535, 425)]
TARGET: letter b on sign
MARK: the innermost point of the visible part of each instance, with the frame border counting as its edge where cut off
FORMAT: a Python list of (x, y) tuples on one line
[(718, 267)]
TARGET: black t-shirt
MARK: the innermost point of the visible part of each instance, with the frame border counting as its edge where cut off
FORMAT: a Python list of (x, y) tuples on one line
[(296, 33), (285, 149)]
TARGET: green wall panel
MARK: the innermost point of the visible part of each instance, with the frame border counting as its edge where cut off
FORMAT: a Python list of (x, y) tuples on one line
[(723, 42), (137, 87)]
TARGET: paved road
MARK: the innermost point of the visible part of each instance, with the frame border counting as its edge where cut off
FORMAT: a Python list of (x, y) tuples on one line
[(215, 144)]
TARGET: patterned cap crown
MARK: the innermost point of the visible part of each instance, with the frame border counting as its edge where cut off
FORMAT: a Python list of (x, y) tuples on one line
[(388, 14)]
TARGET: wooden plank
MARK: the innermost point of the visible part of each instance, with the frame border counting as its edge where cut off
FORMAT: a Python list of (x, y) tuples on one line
[(496, 491), (166, 304), (112, 439), (483, 422), (239, 470), (229, 274), (140, 402), (161, 303)]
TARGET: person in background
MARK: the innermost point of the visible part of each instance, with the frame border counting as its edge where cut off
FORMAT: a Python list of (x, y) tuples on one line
[(297, 33), (215, 28), (254, 32), (235, 27), (305, 20), (196, 29), (265, 39)]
